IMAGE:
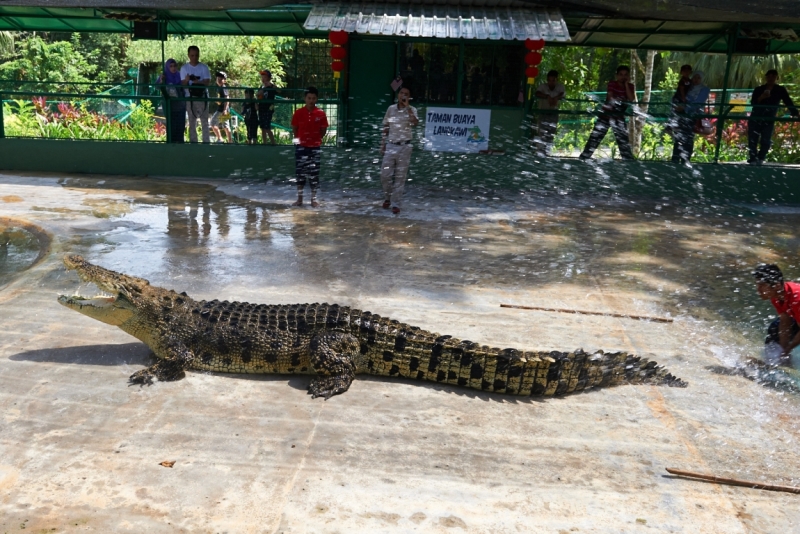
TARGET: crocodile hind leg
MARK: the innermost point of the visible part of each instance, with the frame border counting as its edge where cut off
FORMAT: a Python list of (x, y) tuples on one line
[(165, 369), (333, 356)]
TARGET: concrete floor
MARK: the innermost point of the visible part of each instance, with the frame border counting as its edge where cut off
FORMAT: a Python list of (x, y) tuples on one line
[(80, 450)]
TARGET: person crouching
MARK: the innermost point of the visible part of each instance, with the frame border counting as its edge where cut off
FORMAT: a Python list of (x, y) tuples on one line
[(783, 334)]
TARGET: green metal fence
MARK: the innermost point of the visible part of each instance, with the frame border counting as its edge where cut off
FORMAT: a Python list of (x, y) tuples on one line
[(99, 112), (725, 140)]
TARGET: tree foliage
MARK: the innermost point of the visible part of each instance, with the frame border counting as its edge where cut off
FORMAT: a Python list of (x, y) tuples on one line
[(41, 61), (240, 57)]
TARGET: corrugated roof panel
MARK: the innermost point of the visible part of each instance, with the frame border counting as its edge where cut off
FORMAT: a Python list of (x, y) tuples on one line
[(440, 21)]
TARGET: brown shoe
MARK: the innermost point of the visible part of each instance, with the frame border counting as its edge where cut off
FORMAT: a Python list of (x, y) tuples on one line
[(395, 210), (387, 204)]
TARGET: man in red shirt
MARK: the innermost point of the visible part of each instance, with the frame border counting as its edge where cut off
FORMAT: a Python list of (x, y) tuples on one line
[(309, 125), (619, 93), (785, 297)]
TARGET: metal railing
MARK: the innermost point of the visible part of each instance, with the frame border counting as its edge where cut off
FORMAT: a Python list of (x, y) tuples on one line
[(142, 112), (725, 138)]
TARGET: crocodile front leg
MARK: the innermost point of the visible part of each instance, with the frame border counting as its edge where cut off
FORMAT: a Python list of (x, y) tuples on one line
[(166, 369), (333, 355)]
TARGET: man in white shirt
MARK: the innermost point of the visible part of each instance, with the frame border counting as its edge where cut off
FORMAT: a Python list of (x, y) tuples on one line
[(396, 149), (196, 77), (549, 96)]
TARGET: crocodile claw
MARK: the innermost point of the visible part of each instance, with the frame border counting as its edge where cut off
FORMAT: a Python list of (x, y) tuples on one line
[(143, 377), (328, 386)]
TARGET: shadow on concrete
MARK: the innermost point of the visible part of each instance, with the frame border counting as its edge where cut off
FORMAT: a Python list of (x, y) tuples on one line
[(106, 354)]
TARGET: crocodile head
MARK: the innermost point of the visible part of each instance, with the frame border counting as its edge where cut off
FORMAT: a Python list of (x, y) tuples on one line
[(125, 295)]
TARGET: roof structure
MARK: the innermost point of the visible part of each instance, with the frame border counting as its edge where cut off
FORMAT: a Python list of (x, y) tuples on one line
[(442, 21), (681, 25)]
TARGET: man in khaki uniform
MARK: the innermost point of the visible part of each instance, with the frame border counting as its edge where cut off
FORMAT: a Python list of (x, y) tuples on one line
[(396, 149)]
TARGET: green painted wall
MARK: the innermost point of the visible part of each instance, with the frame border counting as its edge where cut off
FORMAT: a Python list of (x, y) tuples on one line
[(372, 69), (360, 168)]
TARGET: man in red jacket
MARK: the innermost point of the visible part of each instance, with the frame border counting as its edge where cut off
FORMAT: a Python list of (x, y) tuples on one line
[(785, 297), (309, 125)]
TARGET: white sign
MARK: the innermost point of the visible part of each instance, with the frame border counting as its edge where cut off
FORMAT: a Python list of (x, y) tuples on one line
[(457, 129)]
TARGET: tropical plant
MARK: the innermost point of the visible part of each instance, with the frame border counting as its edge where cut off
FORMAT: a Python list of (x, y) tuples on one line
[(64, 120), (746, 71)]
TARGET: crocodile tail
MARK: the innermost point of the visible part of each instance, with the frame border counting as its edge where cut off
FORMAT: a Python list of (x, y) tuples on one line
[(390, 348), (513, 372)]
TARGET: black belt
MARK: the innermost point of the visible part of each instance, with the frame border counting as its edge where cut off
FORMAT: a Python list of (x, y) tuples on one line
[(400, 142)]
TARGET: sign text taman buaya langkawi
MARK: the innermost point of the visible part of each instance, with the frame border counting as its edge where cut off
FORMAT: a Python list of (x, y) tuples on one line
[(457, 129)]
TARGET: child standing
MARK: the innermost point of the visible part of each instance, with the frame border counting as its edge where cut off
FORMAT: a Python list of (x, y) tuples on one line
[(250, 114), (266, 108), (309, 125), (221, 118)]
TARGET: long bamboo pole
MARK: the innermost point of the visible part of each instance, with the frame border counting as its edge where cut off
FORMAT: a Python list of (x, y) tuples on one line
[(733, 481), (584, 312)]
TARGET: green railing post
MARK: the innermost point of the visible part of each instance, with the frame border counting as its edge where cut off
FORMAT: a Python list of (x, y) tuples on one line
[(720, 114), (168, 115)]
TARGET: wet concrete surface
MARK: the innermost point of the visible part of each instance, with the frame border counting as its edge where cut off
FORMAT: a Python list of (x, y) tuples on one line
[(80, 450)]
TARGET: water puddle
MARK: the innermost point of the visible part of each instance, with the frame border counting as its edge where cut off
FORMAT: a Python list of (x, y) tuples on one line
[(22, 245)]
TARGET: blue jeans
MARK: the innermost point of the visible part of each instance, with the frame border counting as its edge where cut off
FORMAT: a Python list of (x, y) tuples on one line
[(684, 140), (772, 332)]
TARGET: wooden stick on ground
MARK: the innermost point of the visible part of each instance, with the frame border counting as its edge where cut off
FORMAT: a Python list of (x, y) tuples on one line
[(562, 310), (733, 481)]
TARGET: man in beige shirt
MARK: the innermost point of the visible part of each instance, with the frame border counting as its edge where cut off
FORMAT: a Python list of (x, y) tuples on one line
[(396, 140), (549, 95)]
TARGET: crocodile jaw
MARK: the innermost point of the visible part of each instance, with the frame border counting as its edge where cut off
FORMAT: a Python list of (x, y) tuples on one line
[(109, 310)]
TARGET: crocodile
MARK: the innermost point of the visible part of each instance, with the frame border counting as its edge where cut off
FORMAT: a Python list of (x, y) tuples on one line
[(333, 342)]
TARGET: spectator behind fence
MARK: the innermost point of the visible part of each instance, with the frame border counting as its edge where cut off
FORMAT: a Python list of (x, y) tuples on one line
[(765, 102), (221, 118), (686, 120), (309, 124), (250, 115), (171, 81), (612, 115), (397, 134), (266, 108), (196, 77), (684, 85), (549, 96), (679, 98)]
